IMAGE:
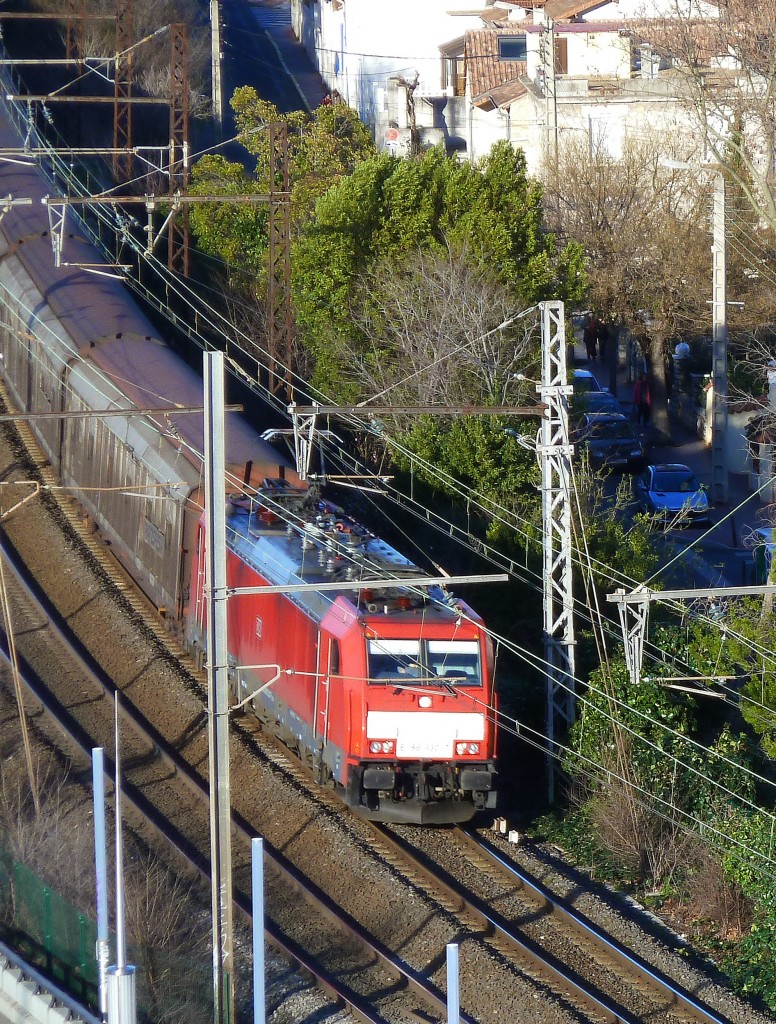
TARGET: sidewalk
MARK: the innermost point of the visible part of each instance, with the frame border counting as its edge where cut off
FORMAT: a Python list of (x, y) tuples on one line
[(274, 16), (727, 547)]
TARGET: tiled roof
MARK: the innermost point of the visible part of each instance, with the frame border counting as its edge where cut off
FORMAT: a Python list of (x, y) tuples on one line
[(502, 95), (495, 15), (559, 10), (486, 73)]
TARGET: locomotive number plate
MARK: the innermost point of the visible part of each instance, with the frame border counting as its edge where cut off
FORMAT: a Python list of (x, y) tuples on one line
[(419, 747)]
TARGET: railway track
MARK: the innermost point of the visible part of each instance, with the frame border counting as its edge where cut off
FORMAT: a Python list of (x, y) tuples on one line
[(341, 895), (521, 914), (156, 773), (152, 766)]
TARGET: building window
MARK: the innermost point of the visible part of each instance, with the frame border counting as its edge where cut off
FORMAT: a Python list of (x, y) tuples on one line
[(454, 75), (512, 48)]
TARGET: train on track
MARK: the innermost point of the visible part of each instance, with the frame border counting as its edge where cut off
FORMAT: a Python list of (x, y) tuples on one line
[(387, 694)]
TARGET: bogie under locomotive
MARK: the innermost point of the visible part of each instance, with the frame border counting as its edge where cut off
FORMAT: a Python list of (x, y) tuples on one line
[(387, 693)]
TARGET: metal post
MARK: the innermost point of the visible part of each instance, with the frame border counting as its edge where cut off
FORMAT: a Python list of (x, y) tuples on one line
[(257, 897), (453, 985), (555, 454), (218, 690), (101, 877), (719, 419)]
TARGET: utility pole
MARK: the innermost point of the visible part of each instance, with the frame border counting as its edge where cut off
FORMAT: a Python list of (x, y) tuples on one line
[(547, 56), (122, 92), (634, 606), (215, 70), (719, 415), (280, 320)]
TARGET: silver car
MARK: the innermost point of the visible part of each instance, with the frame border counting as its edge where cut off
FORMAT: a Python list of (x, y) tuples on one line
[(673, 492)]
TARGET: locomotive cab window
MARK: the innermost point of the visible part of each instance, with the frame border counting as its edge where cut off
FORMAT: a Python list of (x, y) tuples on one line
[(455, 661), (390, 660)]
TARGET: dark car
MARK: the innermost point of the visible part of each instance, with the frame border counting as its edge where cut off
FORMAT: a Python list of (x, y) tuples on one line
[(673, 492), (596, 401), (609, 441)]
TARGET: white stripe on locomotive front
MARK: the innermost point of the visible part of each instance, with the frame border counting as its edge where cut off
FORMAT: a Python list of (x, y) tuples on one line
[(424, 734)]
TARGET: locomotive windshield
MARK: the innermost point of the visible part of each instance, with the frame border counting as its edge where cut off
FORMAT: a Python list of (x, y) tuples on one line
[(457, 662)]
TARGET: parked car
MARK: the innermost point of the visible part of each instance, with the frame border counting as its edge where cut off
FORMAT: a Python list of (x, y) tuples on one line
[(596, 401), (584, 380), (672, 491), (610, 441)]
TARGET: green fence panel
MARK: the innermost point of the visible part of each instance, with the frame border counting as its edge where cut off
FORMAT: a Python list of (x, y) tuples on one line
[(53, 934)]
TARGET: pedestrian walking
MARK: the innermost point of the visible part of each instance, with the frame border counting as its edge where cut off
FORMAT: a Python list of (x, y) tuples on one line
[(642, 400), (602, 337), (589, 336)]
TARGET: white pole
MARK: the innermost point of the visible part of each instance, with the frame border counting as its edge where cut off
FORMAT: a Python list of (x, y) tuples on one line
[(121, 952), (453, 985), (101, 877), (257, 889), (122, 1005), (218, 691)]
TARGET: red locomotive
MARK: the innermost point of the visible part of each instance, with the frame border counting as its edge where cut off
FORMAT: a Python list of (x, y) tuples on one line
[(386, 693)]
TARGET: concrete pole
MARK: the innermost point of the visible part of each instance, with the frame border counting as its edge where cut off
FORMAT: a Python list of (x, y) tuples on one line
[(218, 691), (215, 73), (719, 417)]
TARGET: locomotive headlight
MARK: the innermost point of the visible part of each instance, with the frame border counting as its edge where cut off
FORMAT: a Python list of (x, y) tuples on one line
[(382, 746), (467, 748)]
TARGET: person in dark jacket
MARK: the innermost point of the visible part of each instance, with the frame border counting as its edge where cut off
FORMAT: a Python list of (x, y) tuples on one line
[(590, 337)]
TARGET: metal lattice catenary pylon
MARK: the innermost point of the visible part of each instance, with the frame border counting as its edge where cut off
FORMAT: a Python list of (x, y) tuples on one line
[(555, 453), (178, 247), (122, 91)]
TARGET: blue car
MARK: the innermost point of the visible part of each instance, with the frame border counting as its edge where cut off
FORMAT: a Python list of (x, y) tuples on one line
[(672, 492), (584, 380)]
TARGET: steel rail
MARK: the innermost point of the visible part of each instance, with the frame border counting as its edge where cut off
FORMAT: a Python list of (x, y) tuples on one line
[(595, 935), (497, 930), (184, 848)]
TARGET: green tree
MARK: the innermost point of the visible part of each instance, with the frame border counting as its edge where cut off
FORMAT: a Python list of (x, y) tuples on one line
[(381, 218), (322, 147)]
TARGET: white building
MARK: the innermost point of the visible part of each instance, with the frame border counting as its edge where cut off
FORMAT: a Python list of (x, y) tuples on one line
[(470, 73)]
